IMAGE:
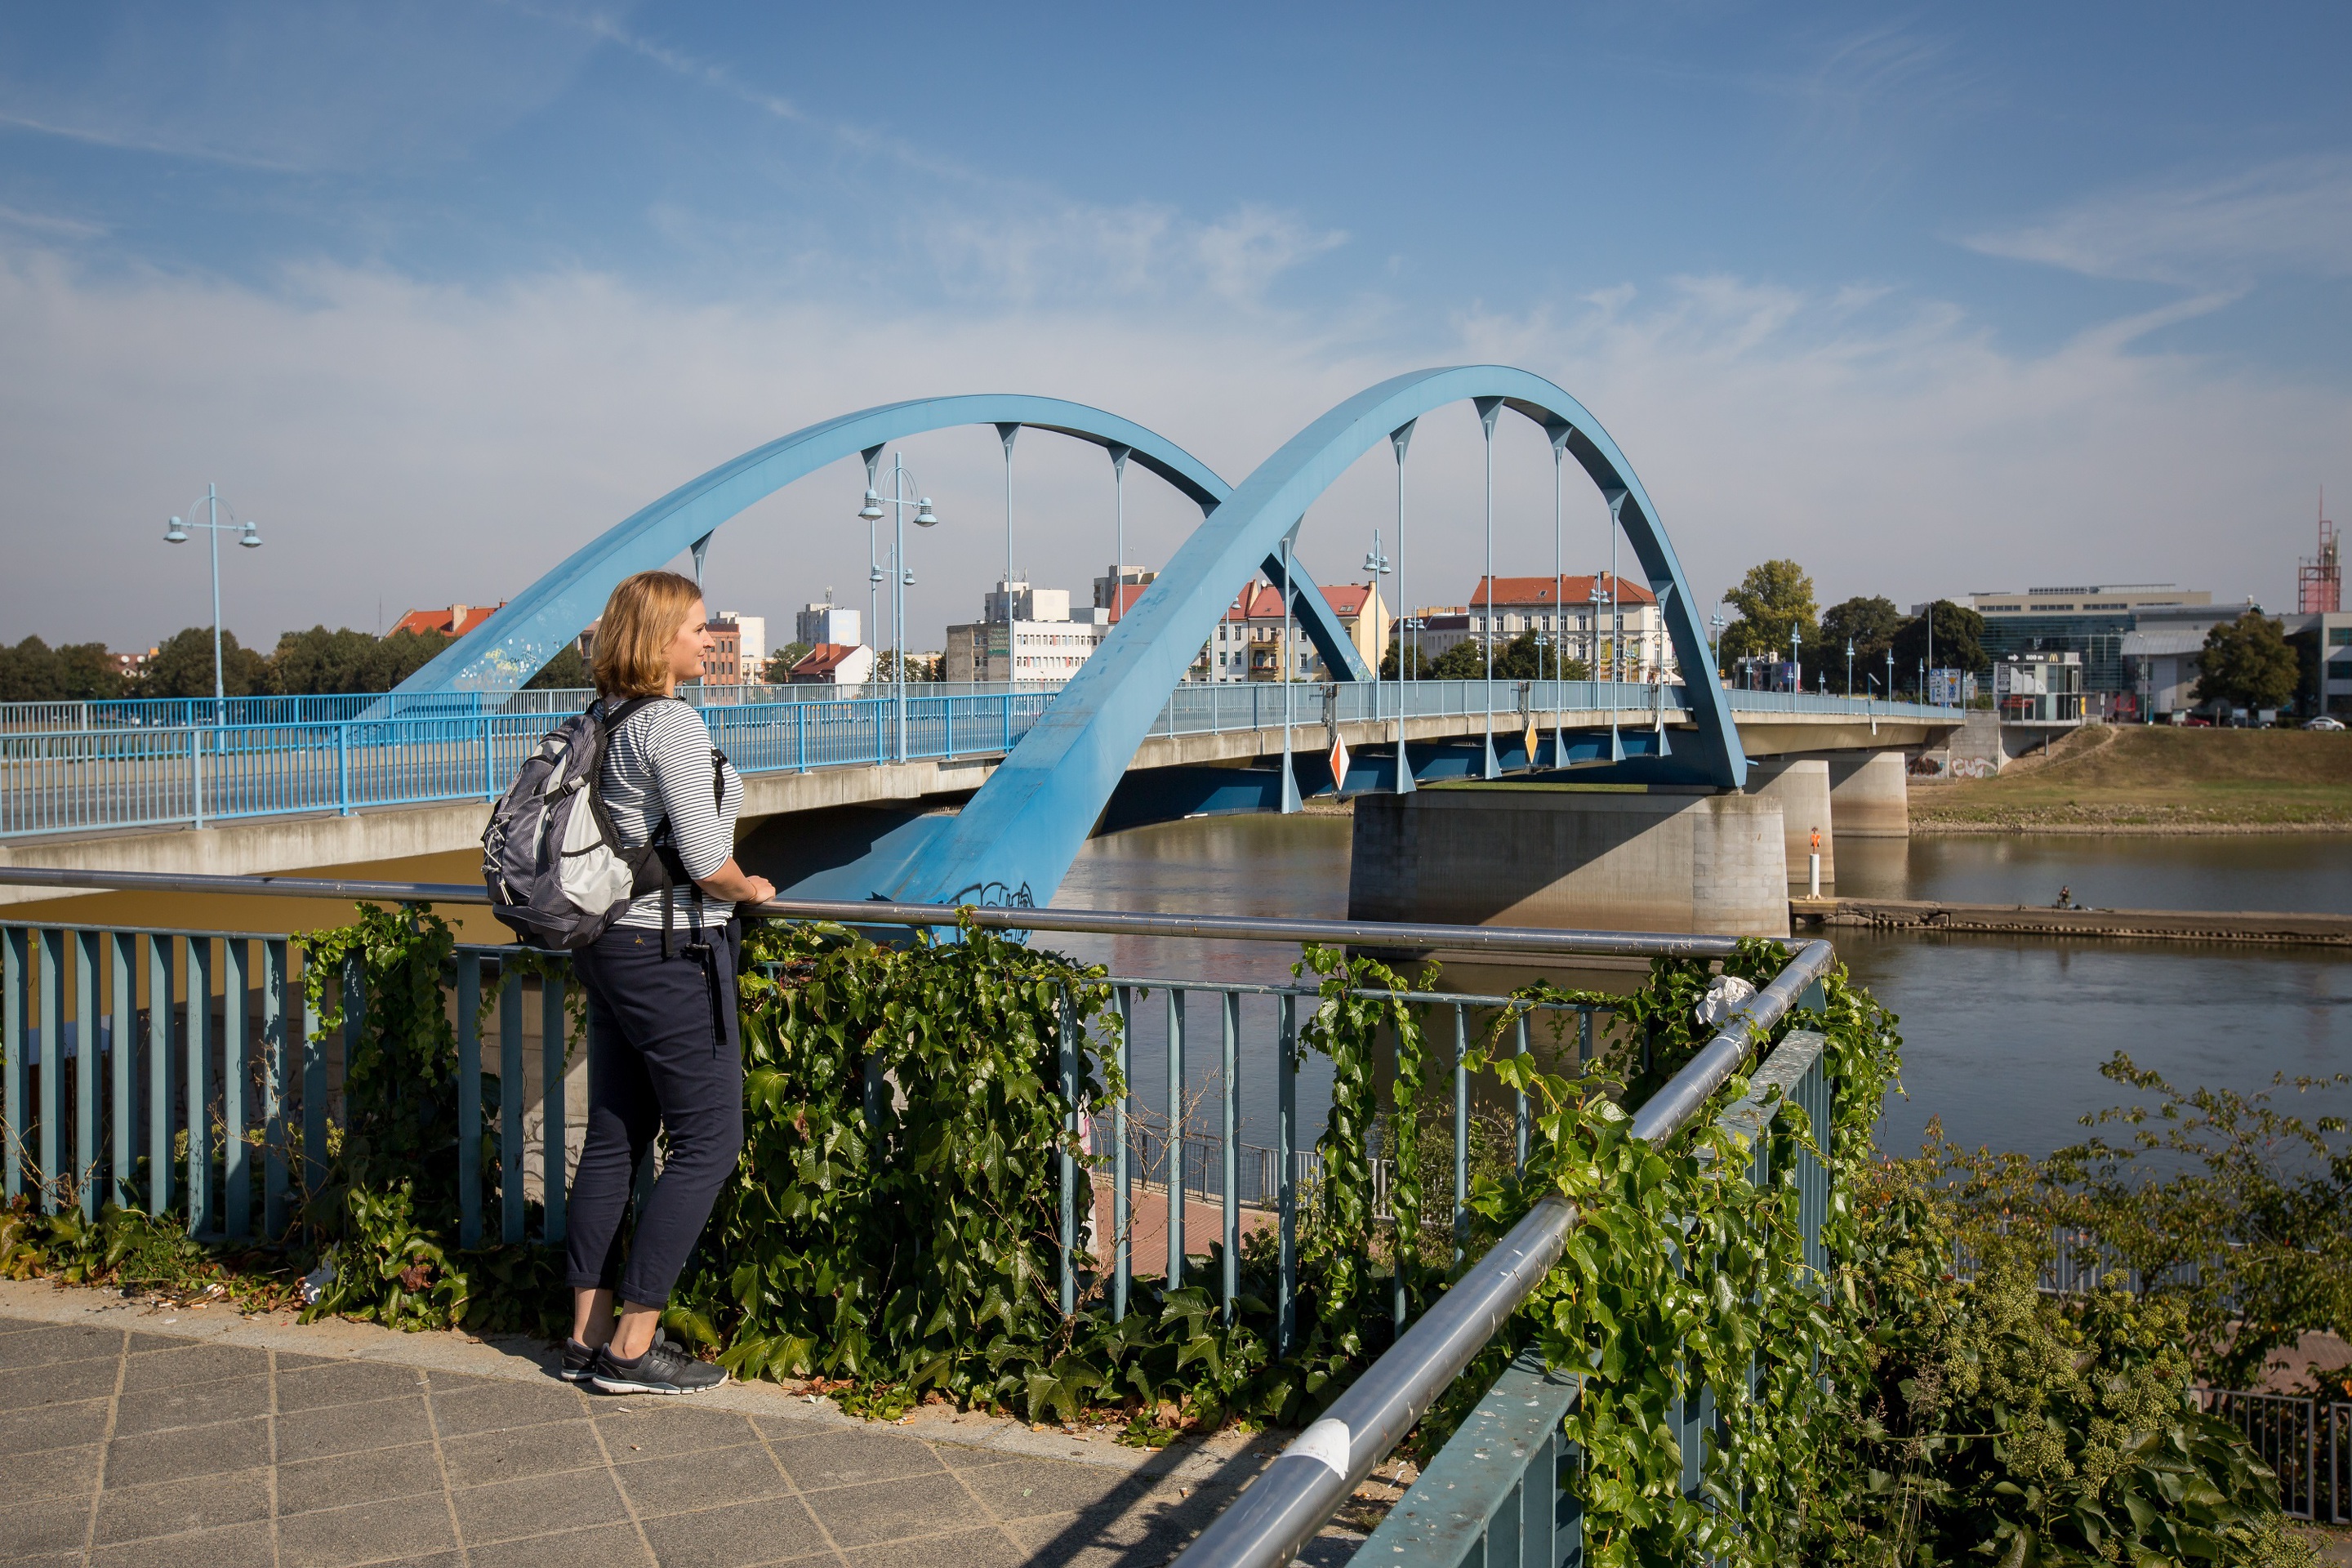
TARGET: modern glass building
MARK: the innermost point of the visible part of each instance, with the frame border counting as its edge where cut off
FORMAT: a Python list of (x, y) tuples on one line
[(2091, 620)]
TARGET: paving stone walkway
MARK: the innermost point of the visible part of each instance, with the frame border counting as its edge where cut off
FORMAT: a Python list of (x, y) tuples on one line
[(123, 1446)]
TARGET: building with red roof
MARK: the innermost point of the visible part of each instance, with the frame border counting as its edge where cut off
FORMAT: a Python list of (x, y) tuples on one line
[(454, 622)]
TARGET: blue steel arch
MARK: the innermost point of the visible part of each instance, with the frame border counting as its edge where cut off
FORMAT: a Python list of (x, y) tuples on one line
[(510, 648), (1019, 834)]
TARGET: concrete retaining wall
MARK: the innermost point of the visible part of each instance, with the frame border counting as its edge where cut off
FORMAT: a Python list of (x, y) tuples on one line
[(1553, 856)]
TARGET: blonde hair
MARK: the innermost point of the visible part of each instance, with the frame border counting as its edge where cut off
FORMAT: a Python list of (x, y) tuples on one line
[(642, 618)]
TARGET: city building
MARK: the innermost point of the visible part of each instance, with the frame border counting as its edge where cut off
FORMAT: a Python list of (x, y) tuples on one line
[(2319, 579), (454, 622), (722, 665), (1248, 644), (828, 622), (751, 641), (1577, 608), (1025, 634), (834, 664), (1120, 587), (2332, 631), (2039, 688), (2093, 620)]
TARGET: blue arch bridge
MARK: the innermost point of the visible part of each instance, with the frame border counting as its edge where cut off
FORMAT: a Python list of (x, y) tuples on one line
[(184, 1066), (987, 794)]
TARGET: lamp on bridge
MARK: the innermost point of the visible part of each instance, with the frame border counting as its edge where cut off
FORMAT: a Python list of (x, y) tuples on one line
[(175, 531), (1848, 667), (902, 578)]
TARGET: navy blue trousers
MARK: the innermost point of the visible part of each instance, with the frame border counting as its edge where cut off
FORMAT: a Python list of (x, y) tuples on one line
[(663, 1054)]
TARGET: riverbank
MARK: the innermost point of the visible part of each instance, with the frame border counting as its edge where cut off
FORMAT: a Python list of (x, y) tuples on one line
[(2270, 928), (2154, 781)]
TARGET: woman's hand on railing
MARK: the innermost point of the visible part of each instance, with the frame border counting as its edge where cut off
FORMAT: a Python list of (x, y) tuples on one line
[(734, 884)]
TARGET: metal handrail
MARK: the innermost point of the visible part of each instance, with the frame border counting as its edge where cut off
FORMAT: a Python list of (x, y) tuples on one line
[(1290, 1500), (843, 911)]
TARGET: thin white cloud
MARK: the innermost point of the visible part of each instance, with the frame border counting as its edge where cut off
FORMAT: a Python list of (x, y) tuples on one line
[(2293, 216), (429, 443), (52, 224)]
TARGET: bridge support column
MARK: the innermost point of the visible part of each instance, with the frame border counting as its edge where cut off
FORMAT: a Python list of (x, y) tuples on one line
[(1870, 796), (1801, 786), (1560, 855)]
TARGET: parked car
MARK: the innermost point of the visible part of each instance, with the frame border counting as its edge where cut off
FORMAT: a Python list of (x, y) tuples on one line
[(2322, 722)]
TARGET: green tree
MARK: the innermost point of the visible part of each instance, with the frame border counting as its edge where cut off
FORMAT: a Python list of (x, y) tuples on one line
[(1869, 623), (567, 671), (1959, 642), (320, 662), (87, 672), (2247, 663), (778, 669), (183, 667), (402, 655), (1772, 599), (28, 672), (1392, 660)]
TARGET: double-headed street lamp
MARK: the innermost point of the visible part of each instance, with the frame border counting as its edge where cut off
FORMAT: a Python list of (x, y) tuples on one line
[(176, 533), (902, 578)]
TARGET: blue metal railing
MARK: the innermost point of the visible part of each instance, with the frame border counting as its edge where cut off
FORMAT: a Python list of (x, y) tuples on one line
[(171, 1047), (142, 774), (1291, 1498), (1503, 1492)]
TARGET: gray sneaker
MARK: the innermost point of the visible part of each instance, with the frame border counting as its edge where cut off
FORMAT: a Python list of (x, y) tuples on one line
[(665, 1368)]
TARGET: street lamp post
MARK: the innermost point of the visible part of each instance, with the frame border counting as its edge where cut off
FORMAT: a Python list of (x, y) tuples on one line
[(1716, 622), (1377, 566), (1796, 675), (1890, 675), (902, 579), (1848, 667), (176, 533)]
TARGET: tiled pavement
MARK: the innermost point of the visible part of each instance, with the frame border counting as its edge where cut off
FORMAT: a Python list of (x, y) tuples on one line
[(123, 1447)]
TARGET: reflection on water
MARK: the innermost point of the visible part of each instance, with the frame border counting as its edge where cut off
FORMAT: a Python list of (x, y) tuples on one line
[(2301, 872)]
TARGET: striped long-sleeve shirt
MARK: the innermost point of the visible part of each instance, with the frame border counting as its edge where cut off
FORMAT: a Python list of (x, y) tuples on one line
[(656, 764)]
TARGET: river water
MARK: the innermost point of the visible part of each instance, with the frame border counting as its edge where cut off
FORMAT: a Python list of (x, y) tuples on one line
[(2004, 1038)]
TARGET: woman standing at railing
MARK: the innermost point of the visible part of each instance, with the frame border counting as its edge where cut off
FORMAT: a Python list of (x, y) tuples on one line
[(662, 1053)]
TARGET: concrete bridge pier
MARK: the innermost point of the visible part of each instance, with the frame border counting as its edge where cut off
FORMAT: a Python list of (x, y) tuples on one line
[(1801, 787), (1870, 796), (1666, 859)]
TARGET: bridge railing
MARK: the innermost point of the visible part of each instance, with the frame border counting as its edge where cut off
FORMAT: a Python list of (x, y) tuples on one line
[(181, 1070), (143, 775), (1494, 1493)]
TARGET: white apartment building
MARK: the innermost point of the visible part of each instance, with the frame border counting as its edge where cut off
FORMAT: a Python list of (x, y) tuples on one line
[(752, 638), (1027, 635), (828, 622)]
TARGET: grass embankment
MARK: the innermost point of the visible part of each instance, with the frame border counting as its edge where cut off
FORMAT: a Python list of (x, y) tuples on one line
[(2157, 779)]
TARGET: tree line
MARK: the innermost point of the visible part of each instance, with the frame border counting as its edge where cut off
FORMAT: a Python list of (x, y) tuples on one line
[(316, 662)]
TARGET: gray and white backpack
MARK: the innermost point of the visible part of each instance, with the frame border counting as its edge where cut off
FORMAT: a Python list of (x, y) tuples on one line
[(551, 858)]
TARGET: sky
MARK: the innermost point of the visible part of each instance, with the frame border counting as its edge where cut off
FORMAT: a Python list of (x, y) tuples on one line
[(1931, 301)]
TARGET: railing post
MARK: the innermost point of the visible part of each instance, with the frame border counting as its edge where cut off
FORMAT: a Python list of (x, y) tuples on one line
[(799, 734), (159, 1073), (1067, 1039), (1175, 1155), (236, 1184), (343, 768), (85, 1165), (469, 1101), (273, 1088), (1122, 1169), (1286, 1141), (123, 974), (1461, 1129), (16, 1086), (1230, 1095), (554, 1058), (490, 780), (510, 1099), (197, 771), (196, 1083)]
